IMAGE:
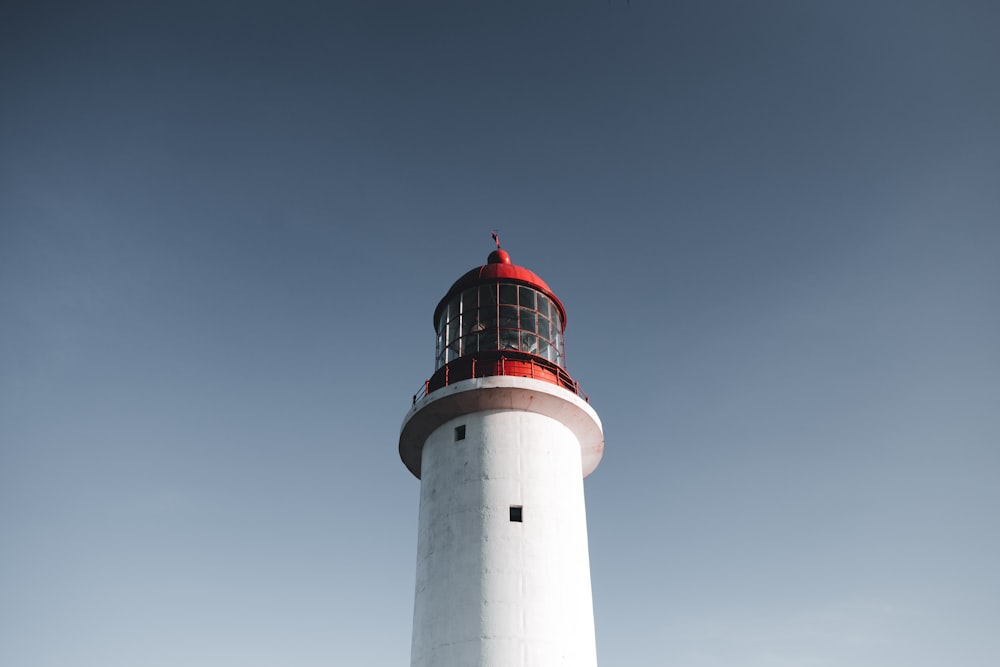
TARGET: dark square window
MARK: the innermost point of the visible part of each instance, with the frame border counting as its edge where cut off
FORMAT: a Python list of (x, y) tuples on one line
[(515, 513), (460, 432)]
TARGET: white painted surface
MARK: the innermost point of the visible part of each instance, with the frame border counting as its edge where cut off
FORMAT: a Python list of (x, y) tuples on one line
[(489, 591), (501, 393)]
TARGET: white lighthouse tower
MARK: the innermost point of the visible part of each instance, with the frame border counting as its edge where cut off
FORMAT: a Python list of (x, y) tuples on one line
[(501, 438)]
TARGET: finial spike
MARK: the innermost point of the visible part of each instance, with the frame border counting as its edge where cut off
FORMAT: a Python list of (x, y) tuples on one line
[(496, 238)]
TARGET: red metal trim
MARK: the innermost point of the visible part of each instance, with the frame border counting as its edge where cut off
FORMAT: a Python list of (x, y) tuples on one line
[(512, 364)]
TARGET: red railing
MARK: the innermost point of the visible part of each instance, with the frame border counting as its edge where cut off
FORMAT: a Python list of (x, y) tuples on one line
[(515, 364)]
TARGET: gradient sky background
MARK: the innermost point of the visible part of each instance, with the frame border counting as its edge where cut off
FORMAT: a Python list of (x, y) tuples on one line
[(224, 227)]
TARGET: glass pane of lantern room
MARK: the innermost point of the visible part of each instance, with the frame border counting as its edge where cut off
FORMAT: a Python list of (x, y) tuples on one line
[(487, 318), (543, 305), (556, 321), (452, 331), (508, 339), (488, 340), (470, 321), (442, 319), (527, 297), (508, 293), (543, 328), (527, 319), (487, 295), (446, 316), (488, 307), (529, 342), (469, 300), (508, 317)]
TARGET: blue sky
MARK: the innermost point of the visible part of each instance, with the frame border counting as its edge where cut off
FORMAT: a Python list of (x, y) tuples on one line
[(224, 227)]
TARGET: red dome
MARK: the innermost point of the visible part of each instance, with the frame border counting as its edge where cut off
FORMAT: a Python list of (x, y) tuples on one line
[(499, 269)]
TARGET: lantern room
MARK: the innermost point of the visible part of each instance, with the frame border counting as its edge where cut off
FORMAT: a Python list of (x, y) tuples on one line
[(499, 319)]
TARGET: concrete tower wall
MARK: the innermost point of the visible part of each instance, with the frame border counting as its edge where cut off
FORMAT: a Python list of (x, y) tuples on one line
[(491, 591)]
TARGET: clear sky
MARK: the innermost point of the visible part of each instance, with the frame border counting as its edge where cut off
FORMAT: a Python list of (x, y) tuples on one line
[(224, 227)]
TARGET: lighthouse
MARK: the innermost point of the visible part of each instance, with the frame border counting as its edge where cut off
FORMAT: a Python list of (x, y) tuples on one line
[(501, 438)]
